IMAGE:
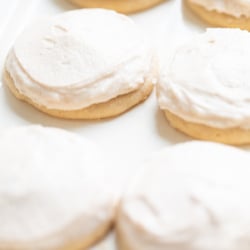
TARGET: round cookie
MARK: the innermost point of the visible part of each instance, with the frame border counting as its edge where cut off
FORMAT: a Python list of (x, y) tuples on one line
[(191, 196), (223, 13), (128, 6), (55, 190), (83, 64), (204, 91)]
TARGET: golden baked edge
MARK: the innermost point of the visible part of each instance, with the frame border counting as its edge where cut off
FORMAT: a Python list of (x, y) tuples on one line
[(109, 109), (127, 6), (232, 136), (215, 18)]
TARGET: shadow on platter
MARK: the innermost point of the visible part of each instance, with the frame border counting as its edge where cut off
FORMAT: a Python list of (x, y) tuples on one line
[(190, 18), (166, 131), (65, 5)]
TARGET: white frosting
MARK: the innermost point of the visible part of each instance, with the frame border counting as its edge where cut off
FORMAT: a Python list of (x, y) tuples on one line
[(235, 8), (80, 58), (55, 188), (208, 80), (193, 196)]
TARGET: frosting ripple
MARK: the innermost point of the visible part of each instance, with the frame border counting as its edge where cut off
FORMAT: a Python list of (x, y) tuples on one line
[(208, 80), (79, 58)]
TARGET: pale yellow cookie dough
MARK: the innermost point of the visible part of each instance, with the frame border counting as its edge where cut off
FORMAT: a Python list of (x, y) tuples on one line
[(74, 245), (233, 136), (217, 19), (123, 6), (108, 109)]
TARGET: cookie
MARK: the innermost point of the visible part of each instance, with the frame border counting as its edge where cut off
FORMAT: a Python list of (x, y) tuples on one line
[(55, 190), (224, 13), (128, 6), (190, 196), (83, 64), (204, 90)]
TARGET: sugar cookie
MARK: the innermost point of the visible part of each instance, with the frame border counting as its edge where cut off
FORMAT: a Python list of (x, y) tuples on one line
[(84, 64), (55, 192), (127, 6), (204, 91), (224, 13), (190, 196)]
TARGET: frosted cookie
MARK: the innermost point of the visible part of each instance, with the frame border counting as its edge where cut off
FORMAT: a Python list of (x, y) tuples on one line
[(224, 13), (84, 64), (204, 91), (192, 196), (55, 192), (127, 6)]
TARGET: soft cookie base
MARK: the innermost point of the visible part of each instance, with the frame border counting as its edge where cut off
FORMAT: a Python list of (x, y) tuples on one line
[(123, 6), (74, 244), (112, 108), (233, 136), (219, 19)]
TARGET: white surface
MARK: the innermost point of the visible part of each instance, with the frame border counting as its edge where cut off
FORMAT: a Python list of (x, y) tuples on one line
[(130, 137)]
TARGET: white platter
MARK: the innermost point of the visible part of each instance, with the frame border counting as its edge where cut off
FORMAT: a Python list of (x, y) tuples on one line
[(130, 137)]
